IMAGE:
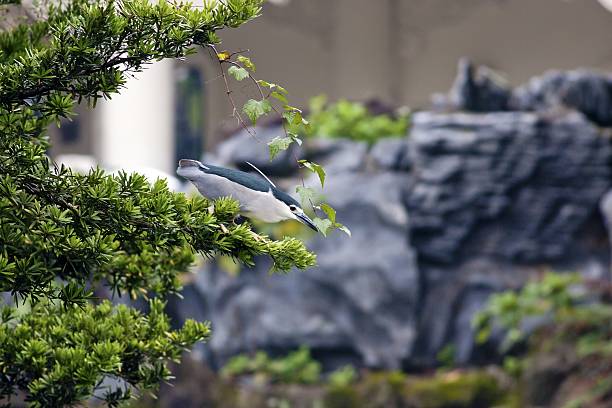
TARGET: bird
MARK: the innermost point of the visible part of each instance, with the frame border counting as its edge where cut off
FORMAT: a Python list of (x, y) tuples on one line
[(258, 197)]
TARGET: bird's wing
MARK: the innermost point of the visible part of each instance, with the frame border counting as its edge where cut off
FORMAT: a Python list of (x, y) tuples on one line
[(249, 180), (261, 172)]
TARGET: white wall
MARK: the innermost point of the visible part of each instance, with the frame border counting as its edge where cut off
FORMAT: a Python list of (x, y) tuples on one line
[(136, 128), (399, 51)]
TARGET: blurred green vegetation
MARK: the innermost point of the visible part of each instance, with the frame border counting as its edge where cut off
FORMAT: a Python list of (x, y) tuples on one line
[(259, 381), (297, 367), (568, 362), (351, 120), (555, 334), (296, 381)]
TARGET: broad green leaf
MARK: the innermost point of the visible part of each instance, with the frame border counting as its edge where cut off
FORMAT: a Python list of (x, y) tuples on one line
[(315, 168), (273, 87), (329, 211), (293, 117), (277, 145), (279, 96), (255, 109), (307, 194), (246, 61), (331, 215), (238, 73), (280, 89), (322, 225), (290, 108)]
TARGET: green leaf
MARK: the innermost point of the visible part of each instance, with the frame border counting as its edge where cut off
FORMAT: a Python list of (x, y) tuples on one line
[(255, 109), (293, 116), (315, 168), (322, 225), (279, 96), (246, 61), (277, 145), (273, 87), (307, 194), (331, 215), (238, 73), (329, 211)]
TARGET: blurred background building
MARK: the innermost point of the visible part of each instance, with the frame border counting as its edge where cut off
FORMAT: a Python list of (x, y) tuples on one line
[(396, 51)]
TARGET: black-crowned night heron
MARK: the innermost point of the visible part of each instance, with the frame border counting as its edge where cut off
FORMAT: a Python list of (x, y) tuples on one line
[(259, 198)]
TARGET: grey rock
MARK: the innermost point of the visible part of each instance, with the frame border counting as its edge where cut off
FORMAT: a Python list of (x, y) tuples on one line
[(587, 92), (529, 182), (468, 205), (360, 301), (476, 90), (510, 192), (605, 207), (452, 298), (337, 155), (391, 154), (246, 147)]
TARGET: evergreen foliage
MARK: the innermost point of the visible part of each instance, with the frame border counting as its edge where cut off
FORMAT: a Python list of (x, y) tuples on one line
[(75, 348), (63, 233)]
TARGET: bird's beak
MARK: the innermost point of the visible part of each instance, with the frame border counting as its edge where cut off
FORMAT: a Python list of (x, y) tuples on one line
[(303, 218)]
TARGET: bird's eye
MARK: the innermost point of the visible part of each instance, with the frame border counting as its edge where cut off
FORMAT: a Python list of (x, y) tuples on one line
[(292, 207)]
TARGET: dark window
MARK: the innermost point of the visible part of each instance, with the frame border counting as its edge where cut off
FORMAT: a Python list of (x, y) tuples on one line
[(69, 131), (189, 128)]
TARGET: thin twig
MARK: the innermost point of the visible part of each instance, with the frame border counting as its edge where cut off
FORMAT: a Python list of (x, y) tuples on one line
[(228, 91)]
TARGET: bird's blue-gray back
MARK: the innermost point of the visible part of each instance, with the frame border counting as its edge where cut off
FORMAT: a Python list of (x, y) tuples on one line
[(251, 181)]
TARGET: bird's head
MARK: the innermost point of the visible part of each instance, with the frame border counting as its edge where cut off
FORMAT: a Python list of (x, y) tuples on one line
[(295, 211)]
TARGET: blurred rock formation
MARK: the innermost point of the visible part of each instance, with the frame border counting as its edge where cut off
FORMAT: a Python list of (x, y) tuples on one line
[(470, 203)]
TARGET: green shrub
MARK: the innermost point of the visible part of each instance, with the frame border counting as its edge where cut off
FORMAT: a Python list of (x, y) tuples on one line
[(342, 377), (342, 397), (455, 389), (297, 367), (383, 389), (572, 343), (550, 296), (351, 120)]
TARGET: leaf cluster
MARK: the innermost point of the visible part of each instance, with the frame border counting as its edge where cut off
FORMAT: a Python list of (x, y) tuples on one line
[(275, 98), (79, 352), (119, 228), (85, 47), (62, 234), (134, 236)]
